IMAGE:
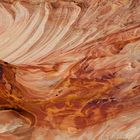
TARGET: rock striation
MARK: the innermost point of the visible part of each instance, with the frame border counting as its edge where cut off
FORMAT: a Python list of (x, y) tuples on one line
[(70, 69)]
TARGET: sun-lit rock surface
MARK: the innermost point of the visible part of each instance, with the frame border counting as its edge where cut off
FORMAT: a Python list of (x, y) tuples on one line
[(70, 69)]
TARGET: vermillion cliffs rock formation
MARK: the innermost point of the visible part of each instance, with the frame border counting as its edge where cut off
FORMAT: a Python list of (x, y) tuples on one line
[(70, 70)]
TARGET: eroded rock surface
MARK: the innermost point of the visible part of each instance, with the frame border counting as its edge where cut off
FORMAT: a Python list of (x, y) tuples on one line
[(70, 69)]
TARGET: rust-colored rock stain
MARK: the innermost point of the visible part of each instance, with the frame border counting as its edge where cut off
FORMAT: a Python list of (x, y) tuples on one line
[(70, 69)]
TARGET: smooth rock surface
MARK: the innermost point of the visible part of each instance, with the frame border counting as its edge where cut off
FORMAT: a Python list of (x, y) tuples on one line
[(69, 69)]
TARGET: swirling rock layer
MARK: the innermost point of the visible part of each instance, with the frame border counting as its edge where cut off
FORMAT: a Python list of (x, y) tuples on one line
[(70, 70)]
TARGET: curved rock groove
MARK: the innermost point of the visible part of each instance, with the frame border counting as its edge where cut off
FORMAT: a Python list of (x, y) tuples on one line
[(70, 69)]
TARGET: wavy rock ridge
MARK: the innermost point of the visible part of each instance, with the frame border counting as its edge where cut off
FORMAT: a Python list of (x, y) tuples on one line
[(70, 70)]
